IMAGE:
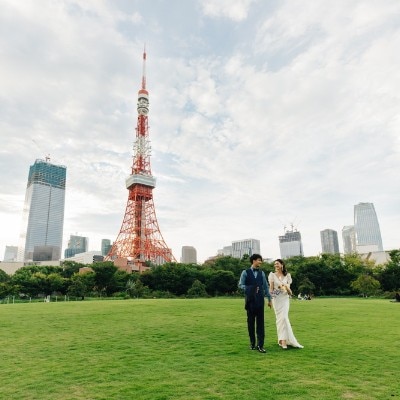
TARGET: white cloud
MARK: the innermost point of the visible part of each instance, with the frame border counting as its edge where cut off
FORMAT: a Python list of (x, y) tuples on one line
[(289, 116), (236, 10)]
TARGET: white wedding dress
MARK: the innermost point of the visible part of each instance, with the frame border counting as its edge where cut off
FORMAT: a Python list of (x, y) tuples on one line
[(281, 302)]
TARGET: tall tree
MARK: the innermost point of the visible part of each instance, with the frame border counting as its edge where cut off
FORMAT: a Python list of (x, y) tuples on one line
[(390, 275), (366, 285), (104, 277)]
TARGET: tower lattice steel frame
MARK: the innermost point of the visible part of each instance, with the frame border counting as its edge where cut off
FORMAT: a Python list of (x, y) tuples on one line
[(140, 240)]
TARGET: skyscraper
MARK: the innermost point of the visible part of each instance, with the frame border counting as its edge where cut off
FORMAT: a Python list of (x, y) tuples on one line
[(290, 244), (366, 227), (349, 239), (189, 255), (245, 246), (225, 251), (105, 246), (10, 253), (43, 213), (76, 245), (329, 241)]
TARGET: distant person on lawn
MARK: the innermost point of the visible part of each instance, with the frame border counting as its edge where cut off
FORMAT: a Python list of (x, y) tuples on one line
[(255, 286)]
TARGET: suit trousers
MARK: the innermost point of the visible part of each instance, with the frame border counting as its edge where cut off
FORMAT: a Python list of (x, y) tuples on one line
[(255, 324)]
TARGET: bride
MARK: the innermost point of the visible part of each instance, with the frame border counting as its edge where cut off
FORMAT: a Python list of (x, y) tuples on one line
[(279, 283)]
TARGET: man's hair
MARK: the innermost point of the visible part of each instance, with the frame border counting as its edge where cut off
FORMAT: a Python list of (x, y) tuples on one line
[(254, 257)]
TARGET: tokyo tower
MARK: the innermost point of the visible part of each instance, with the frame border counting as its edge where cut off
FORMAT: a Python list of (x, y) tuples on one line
[(139, 241)]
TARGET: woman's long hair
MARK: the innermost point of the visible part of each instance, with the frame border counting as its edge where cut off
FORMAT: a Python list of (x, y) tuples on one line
[(284, 270)]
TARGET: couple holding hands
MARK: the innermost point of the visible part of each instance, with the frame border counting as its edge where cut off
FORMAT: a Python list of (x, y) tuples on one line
[(278, 292)]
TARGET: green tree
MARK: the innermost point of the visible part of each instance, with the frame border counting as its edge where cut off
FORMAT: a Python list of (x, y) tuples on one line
[(390, 275), (366, 285), (77, 288), (70, 268), (355, 264), (37, 280), (5, 285), (56, 283), (81, 284), (306, 287), (104, 277), (315, 271), (198, 289), (173, 278), (45, 284), (221, 282), (4, 276), (228, 263), (339, 277), (24, 283), (5, 289), (137, 289), (119, 281)]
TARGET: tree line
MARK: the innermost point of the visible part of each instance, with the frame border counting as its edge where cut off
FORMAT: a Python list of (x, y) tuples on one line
[(323, 275)]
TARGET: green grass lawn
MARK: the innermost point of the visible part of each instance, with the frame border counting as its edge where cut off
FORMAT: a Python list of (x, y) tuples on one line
[(197, 349)]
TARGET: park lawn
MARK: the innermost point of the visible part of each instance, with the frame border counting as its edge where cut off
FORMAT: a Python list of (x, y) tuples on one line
[(197, 349)]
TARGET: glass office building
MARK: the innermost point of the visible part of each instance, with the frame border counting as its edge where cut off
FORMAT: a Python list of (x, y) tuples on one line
[(76, 245), (10, 254), (43, 213), (366, 226), (105, 246), (329, 241), (349, 239)]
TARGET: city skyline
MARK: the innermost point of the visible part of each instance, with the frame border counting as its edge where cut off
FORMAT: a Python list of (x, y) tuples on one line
[(262, 114)]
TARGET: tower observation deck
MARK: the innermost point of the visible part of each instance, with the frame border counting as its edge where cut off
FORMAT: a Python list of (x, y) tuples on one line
[(139, 242)]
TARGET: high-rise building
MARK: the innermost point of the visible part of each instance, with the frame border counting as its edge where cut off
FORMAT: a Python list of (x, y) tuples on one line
[(189, 255), (225, 251), (76, 245), (43, 213), (245, 246), (290, 244), (105, 246), (10, 254), (349, 239), (329, 241), (366, 227)]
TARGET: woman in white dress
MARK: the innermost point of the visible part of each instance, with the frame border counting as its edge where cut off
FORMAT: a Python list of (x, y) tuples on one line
[(279, 285)]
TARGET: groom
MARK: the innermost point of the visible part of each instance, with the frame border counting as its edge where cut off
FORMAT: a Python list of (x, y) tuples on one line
[(255, 287)]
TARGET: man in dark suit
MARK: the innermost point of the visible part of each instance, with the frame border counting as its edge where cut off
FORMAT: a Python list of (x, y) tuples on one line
[(255, 287)]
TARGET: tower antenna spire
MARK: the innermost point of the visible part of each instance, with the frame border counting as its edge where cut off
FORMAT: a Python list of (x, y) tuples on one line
[(144, 69)]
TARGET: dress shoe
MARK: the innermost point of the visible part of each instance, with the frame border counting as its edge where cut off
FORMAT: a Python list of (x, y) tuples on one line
[(261, 349), (252, 347)]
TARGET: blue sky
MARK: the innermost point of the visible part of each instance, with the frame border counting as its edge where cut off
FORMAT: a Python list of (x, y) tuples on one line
[(262, 114)]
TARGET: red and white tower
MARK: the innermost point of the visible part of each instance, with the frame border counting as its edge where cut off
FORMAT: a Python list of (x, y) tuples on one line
[(139, 240)]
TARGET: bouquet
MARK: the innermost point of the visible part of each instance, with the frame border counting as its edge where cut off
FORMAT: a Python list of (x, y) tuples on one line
[(281, 289), (275, 292)]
